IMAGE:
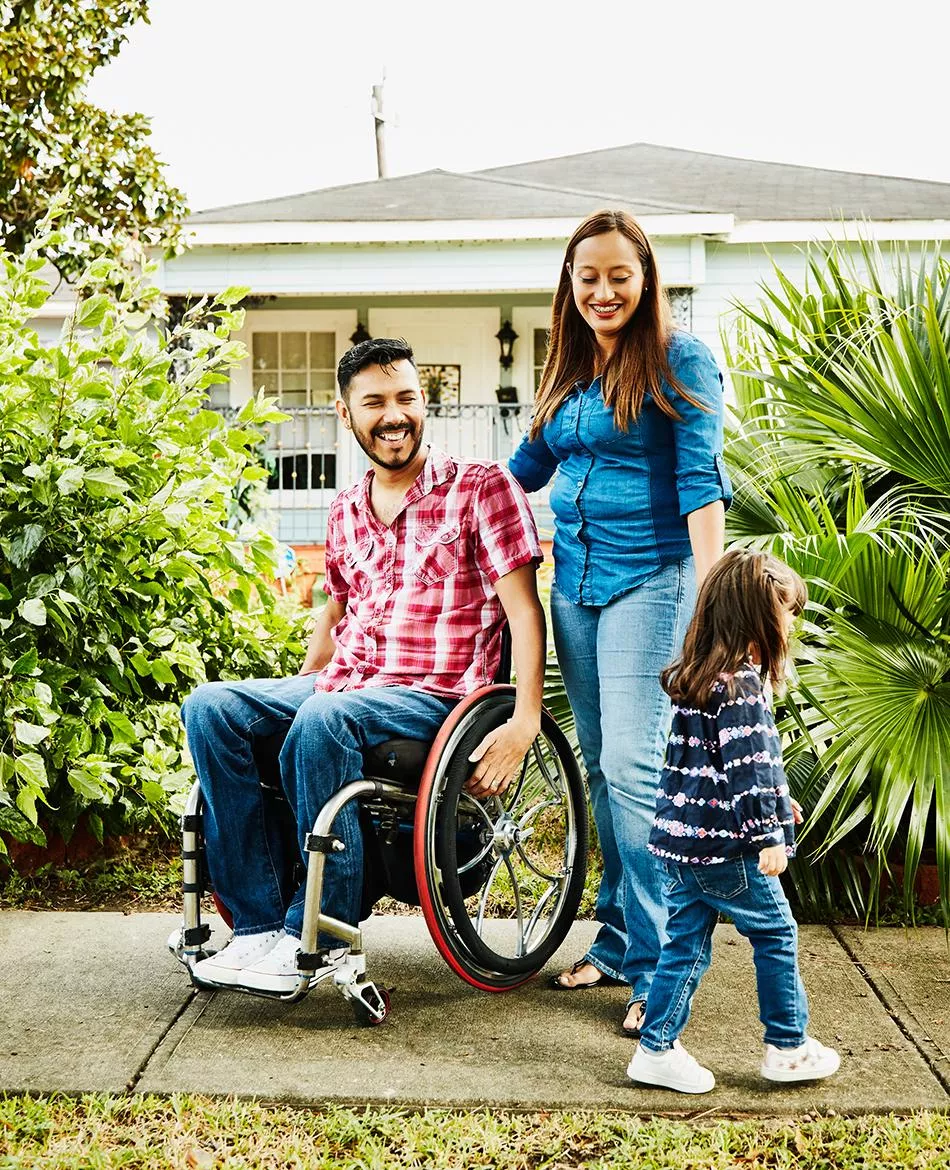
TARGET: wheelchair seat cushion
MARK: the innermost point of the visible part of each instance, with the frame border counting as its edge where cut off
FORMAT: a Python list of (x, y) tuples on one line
[(399, 760)]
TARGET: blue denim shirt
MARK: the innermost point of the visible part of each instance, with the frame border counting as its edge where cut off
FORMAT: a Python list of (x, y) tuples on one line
[(621, 498)]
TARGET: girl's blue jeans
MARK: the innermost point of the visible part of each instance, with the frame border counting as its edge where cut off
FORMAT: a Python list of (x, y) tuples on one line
[(326, 734), (696, 894), (610, 658)]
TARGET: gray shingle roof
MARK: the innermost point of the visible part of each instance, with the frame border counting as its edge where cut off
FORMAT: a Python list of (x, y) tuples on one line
[(747, 188), (643, 178), (431, 195)]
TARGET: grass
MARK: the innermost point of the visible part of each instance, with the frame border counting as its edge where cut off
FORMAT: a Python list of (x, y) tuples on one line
[(197, 1133)]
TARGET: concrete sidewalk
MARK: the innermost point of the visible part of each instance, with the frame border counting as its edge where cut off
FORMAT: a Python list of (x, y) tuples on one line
[(95, 1002)]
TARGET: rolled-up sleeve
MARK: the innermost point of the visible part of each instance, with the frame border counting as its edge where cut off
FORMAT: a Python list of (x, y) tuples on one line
[(701, 476), (506, 537), (533, 463)]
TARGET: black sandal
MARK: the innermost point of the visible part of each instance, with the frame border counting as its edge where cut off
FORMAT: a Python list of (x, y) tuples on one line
[(634, 1032), (605, 980)]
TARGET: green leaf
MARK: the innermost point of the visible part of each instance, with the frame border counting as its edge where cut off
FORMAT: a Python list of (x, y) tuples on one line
[(29, 733), (70, 481), (32, 610), (103, 481), (27, 663), (122, 727), (91, 311), (31, 768), (21, 548), (162, 672), (234, 294)]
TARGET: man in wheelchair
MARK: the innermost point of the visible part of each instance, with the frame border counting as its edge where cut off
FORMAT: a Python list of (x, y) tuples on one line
[(427, 558)]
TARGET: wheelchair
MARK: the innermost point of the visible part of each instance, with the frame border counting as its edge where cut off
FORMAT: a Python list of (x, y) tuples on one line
[(499, 879)]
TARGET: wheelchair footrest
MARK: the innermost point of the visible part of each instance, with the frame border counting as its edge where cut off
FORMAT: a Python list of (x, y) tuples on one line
[(329, 844), (314, 961)]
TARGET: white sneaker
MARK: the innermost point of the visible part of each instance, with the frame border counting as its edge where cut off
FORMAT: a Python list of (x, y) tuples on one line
[(673, 1069), (811, 1061), (277, 971), (227, 966)]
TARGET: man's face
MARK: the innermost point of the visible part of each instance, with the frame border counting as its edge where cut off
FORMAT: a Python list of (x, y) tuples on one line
[(386, 411)]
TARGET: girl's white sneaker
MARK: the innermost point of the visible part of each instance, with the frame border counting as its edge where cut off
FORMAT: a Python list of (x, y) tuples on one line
[(673, 1069), (811, 1061)]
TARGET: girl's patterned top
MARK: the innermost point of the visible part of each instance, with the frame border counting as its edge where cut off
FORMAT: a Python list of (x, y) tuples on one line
[(723, 790)]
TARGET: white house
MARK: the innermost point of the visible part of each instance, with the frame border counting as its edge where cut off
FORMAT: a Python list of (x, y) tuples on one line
[(445, 259)]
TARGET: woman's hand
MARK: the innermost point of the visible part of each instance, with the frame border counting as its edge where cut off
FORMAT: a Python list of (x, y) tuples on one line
[(797, 815), (773, 860)]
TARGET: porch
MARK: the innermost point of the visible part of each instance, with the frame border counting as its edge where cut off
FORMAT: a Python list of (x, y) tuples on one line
[(311, 457)]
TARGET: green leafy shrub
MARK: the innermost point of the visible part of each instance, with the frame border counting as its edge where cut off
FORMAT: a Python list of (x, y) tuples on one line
[(842, 467), (121, 585)]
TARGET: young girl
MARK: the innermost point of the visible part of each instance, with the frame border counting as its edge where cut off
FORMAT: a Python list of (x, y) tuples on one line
[(724, 825)]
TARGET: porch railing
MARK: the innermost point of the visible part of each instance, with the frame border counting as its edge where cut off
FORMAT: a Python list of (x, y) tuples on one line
[(311, 457)]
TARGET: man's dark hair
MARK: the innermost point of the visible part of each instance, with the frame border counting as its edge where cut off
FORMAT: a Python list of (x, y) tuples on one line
[(378, 351)]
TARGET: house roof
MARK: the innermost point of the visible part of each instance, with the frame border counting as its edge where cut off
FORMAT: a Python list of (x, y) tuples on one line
[(747, 188), (436, 194), (642, 178)]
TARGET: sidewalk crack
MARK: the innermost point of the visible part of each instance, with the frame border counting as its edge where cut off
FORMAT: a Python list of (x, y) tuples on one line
[(930, 1059), (132, 1083)]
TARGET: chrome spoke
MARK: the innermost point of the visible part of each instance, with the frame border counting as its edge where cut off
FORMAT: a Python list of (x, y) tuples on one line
[(548, 877), (542, 768), (513, 799), (483, 900), (536, 914), (476, 860), (479, 808), (514, 883)]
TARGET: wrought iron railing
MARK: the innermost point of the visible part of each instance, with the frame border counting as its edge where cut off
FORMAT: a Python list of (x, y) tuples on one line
[(311, 457)]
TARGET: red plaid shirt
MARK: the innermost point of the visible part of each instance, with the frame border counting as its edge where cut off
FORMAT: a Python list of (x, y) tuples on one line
[(421, 607)]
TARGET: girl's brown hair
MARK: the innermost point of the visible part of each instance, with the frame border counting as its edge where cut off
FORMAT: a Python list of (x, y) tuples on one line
[(740, 610), (639, 363)]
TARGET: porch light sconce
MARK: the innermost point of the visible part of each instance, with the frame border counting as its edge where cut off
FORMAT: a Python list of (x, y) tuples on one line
[(506, 343), (360, 333)]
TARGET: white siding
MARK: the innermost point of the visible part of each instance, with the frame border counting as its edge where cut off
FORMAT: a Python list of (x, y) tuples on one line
[(385, 269), (462, 337)]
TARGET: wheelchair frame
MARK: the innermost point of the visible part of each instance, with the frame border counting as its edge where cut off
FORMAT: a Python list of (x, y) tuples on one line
[(437, 869)]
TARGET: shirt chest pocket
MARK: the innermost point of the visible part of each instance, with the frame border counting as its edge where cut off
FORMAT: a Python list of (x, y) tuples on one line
[(436, 553), (360, 569)]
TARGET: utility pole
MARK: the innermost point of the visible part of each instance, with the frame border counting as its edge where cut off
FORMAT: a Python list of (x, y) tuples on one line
[(380, 122)]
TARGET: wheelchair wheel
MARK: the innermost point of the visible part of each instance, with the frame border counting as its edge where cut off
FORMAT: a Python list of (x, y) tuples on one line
[(526, 849)]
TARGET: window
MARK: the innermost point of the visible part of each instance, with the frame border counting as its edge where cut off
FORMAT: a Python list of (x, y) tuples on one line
[(299, 369)]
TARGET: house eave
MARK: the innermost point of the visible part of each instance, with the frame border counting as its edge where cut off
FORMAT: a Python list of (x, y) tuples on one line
[(434, 230), (818, 230)]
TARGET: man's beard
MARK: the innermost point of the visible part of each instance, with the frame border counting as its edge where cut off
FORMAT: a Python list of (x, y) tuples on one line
[(395, 462)]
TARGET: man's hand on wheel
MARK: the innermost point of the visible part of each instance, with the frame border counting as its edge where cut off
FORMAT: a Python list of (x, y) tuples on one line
[(499, 757)]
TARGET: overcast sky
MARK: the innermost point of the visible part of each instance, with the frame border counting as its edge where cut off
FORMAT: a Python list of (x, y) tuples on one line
[(256, 98)]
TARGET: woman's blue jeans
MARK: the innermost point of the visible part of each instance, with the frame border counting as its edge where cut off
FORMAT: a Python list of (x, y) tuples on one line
[(757, 905), (610, 658), (326, 733)]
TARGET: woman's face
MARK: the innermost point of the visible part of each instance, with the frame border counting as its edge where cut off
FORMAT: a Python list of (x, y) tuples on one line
[(607, 281)]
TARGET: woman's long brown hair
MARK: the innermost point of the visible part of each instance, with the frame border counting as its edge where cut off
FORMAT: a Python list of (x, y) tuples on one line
[(639, 363), (740, 610)]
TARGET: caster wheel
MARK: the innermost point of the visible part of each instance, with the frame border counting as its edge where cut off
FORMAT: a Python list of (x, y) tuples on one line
[(364, 1017)]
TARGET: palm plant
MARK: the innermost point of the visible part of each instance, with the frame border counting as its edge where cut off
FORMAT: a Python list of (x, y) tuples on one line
[(841, 453)]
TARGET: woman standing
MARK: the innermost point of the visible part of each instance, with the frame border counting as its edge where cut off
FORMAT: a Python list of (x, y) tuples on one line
[(630, 413)]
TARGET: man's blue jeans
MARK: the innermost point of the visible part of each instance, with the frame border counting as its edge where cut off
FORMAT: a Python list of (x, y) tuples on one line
[(610, 658), (757, 905), (326, 733)]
